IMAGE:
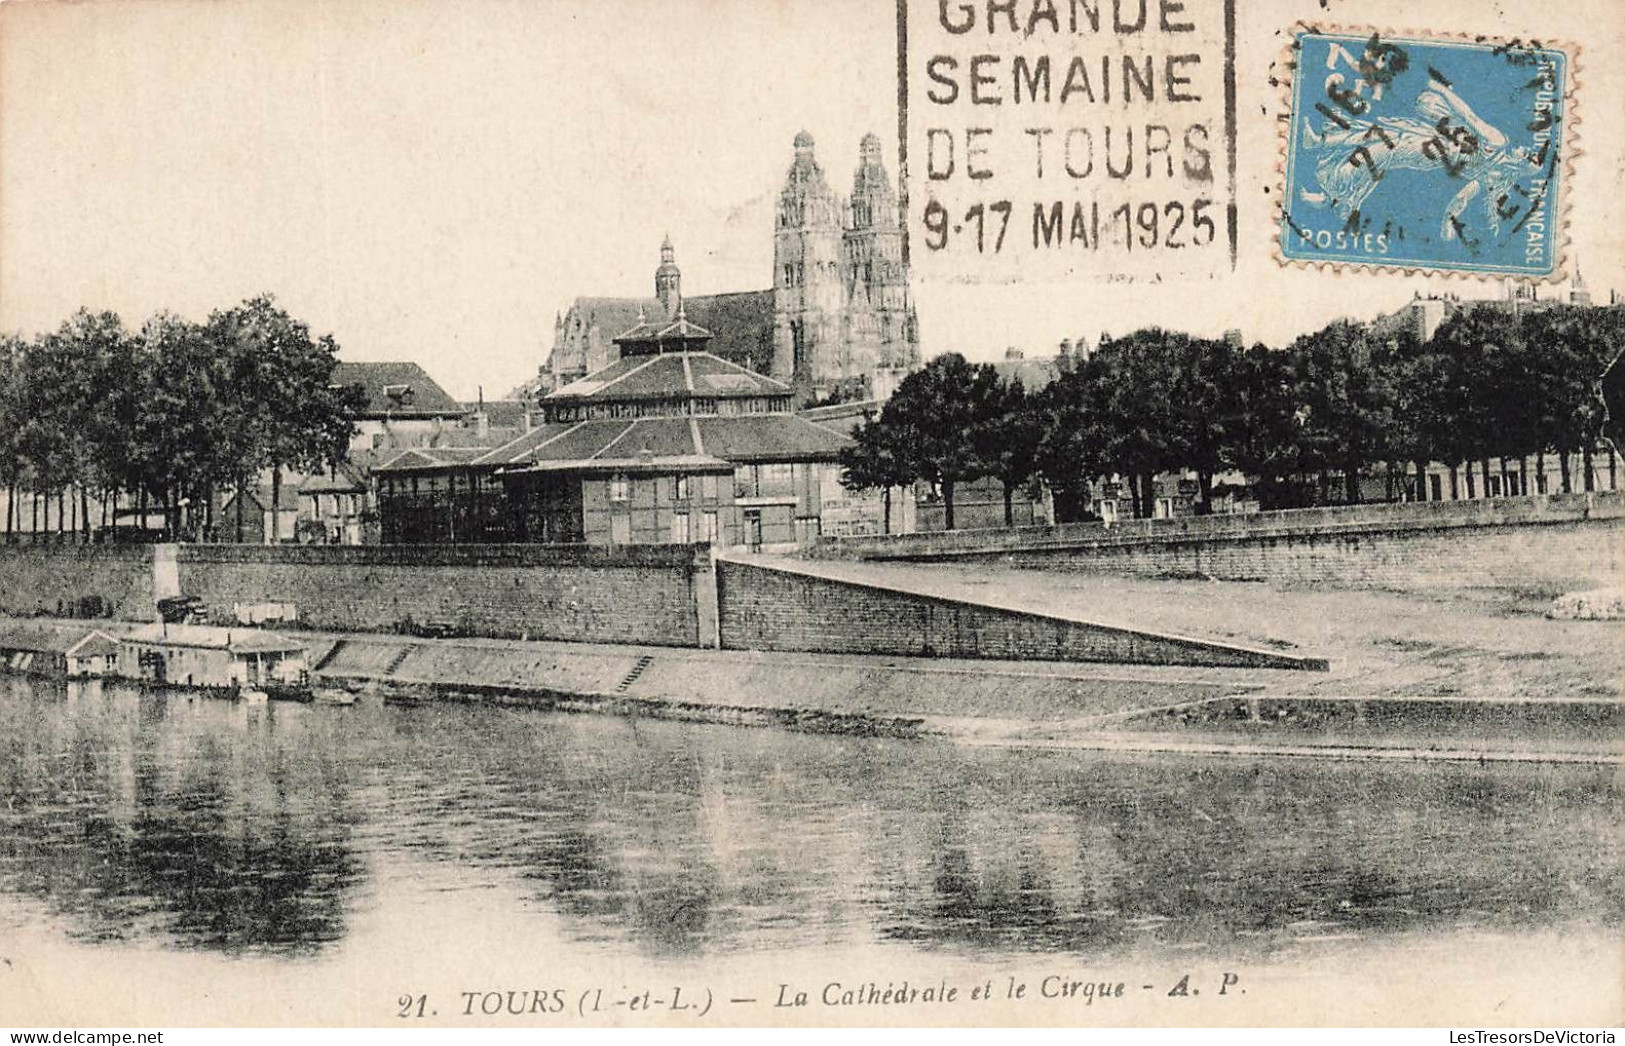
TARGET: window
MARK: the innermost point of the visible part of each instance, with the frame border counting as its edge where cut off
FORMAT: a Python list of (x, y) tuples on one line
[(709, 533), (777, 478), (679, 528), (708, 487), (799, 350), (679, 488), (620, 488), (620, 530)]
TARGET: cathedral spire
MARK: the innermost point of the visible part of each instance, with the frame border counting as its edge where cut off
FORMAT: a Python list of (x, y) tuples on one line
[(669, 280)]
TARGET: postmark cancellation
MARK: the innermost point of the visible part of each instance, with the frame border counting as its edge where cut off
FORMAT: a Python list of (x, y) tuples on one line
[(1416, 153)]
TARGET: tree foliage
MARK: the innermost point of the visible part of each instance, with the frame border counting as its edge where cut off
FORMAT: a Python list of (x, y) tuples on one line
[(1306, 424), (169, 415)]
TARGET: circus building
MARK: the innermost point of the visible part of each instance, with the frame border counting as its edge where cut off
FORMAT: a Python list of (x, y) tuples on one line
[(669, 443), (838, 319)]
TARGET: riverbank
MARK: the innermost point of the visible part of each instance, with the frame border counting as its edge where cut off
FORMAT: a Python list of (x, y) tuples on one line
[(1351, 712)]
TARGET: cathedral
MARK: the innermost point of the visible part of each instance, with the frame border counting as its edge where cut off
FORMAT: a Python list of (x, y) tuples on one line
[(838, 322)]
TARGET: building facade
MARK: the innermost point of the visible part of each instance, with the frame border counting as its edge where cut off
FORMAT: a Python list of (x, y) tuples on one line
[(843, 319), (402, 407), (669, 444), (838, 319)]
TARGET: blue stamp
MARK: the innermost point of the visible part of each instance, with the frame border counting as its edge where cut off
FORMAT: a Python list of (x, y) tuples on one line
[(1425, 154)]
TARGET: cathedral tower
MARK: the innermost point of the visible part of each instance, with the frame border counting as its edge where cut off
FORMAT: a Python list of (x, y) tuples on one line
[(878, 314), (807, 292)]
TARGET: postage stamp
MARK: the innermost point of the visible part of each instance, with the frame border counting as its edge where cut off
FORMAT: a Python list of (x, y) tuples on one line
[(1427, 154)]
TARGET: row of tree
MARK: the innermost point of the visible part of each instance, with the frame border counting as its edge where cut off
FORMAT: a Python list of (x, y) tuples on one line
[(167, 417), (1336, 406)]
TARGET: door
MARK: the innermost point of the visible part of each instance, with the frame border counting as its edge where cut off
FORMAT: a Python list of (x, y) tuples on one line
[(753, 529)]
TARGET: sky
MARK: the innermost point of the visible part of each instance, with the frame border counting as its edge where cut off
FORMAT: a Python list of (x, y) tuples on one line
[(433, 180)]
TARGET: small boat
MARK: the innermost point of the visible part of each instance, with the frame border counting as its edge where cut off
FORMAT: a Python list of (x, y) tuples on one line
[(334, 696), (250, 696)]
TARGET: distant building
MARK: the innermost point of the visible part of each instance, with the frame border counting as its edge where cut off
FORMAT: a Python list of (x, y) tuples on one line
[(494, 422), (1034, 374), (257, 523), (404, 407), (336, 508), (51, 649), (1422, 316), (669, 444), (838, 318)]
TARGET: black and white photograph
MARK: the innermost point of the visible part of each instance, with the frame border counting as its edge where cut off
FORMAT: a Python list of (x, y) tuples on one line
[(546, 514)]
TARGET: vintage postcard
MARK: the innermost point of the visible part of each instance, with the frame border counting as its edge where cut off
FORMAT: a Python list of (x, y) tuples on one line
[(546, 515)]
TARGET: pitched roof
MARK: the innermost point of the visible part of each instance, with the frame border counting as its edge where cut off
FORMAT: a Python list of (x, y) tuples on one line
[(259, 495), (670, 375), (744, 438), (741, 323), (842, 417), (397, 390), (430, 458), (46, 636), (236, 640), (770, 437), (500, 414), (682, 330), (344, 479)]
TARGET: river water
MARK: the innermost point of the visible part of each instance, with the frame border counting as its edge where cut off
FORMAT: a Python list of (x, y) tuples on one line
[(313, 864)]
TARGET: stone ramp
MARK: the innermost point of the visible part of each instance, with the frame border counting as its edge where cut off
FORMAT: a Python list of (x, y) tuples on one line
[(774, 604)]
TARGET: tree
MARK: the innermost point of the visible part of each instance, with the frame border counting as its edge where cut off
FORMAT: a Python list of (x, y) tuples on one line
[(88, 357), (186, 435), (933, 414), (285, 402), (1007, 440), (1203, 408), (1569, 347), (1071, 445), (12, 470), (1262, 437), (1133, 384), (875, 460), (1340, 400)]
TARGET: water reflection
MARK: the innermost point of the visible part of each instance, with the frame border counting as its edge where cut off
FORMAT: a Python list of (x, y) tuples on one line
[(132, 816), (194, 821)]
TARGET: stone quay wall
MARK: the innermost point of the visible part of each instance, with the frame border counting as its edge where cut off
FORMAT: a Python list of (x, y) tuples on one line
[(64, 579), (645, 594), (779, 608), (1549, 544)]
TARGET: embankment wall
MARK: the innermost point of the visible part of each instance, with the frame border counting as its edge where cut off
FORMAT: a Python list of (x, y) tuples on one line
[(641, 594), (774, 608), (72, 580), (1550, 544)]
